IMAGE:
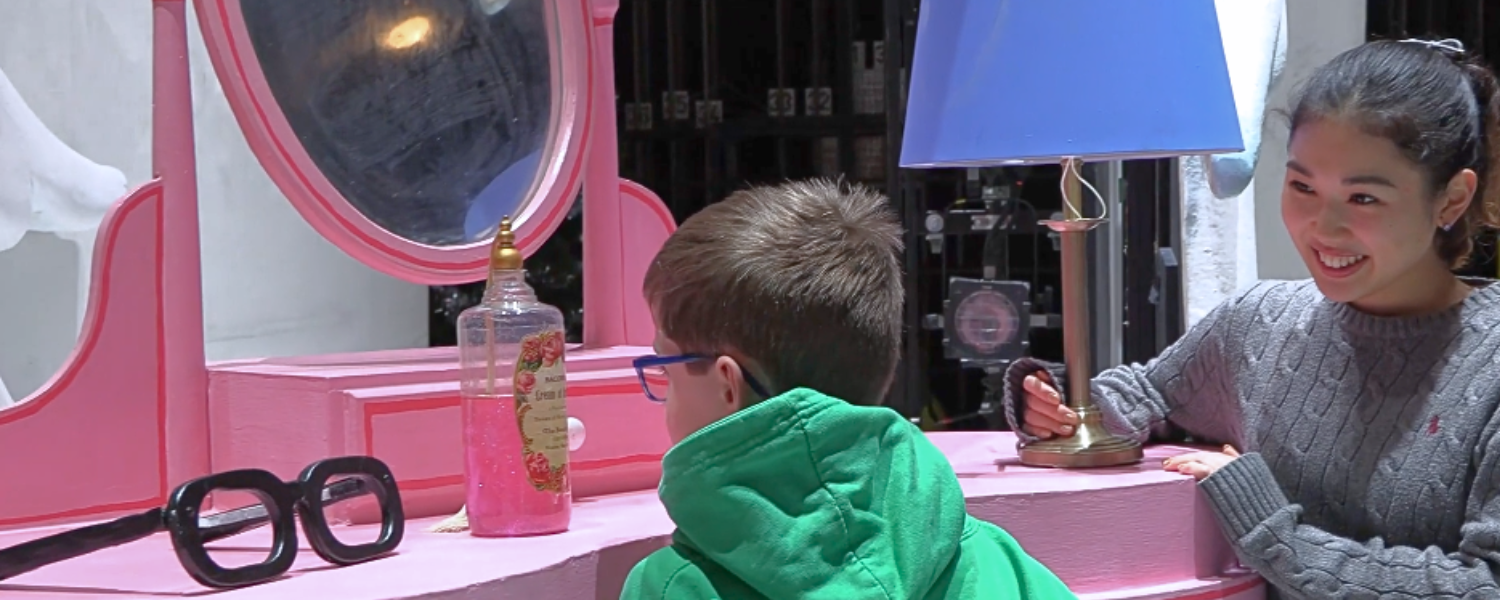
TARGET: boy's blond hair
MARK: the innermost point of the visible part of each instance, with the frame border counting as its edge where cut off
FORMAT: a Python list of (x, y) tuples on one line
[(804, 278)]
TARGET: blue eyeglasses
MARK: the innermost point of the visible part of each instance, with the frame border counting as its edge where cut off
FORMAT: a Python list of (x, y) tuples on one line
[(652, 371)]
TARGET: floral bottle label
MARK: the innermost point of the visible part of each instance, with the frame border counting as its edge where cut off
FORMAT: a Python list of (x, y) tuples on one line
[(540, 387)]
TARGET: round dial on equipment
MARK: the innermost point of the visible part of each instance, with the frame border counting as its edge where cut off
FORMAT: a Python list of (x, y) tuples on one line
[(986, 320), (934, 223)]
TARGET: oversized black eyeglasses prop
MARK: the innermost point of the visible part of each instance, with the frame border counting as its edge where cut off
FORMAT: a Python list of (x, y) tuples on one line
[(281, 501)]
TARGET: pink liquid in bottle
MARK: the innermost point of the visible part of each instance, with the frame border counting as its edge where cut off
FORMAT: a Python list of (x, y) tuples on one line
[(501, 498), (514, 388)]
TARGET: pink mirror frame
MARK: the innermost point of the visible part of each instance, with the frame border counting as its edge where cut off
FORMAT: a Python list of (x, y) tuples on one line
[(332, 216)]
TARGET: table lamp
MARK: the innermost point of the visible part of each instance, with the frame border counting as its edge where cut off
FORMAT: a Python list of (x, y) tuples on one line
[(1024, 82)]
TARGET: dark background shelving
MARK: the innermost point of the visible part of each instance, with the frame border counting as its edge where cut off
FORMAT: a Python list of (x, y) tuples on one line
[(733, 53)]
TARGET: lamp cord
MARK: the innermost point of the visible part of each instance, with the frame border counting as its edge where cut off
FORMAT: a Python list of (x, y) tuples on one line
[(1062, 186)]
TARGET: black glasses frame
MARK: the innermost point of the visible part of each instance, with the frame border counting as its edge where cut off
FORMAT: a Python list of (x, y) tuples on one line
[(281, 503)]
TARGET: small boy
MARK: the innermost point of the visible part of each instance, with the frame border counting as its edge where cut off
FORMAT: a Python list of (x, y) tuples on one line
[(778, 316)]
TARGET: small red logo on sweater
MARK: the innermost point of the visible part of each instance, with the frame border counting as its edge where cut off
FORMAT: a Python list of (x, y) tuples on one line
[(1432, 426)]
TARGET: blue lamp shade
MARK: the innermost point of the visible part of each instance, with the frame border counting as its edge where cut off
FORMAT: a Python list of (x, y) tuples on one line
[(1012, 82)]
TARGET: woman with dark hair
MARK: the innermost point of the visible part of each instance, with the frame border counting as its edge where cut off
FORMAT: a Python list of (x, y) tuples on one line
[(1357, 409)]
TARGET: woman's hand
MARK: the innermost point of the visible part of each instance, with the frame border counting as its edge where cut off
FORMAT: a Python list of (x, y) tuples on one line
[(1201, 464), (1044, 415)]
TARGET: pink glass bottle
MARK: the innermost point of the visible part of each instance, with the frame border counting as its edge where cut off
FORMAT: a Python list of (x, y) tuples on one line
[(514, 405)]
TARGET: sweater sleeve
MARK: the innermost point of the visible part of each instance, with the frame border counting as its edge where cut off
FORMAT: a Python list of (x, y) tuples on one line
[(1268, 534), (1188, 389)]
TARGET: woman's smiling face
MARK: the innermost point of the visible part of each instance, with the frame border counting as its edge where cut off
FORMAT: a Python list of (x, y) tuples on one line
[(1363, 217)]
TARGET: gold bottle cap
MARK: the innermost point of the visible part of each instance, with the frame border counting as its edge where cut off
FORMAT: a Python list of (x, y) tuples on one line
[(504, 256)]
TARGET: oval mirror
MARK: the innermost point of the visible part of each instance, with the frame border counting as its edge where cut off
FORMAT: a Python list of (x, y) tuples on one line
[(402, 130)]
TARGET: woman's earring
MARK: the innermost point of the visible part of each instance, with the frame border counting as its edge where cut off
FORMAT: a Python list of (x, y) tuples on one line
[(1447, 227)]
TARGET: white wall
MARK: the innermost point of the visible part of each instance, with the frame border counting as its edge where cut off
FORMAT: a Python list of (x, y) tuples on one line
[(272, 286), (1317, 30)]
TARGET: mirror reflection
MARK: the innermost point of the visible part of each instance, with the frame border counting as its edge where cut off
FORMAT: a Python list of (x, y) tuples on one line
[(430, 117)]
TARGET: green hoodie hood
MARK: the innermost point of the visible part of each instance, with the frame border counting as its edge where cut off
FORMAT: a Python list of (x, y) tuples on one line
[(808, 496)]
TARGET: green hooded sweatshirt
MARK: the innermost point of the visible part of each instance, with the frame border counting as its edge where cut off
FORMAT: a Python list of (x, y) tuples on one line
[(808, 496)]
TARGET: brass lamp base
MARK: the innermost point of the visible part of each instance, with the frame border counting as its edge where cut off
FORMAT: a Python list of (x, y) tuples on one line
[(1089, 447)]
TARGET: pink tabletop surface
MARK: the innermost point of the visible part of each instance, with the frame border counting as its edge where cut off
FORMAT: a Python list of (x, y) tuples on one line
[(610, 533)]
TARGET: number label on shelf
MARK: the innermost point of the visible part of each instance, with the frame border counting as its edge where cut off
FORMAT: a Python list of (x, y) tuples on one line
[(682, 108), (643, 116), (818, 101), (675, 106), (709, 112), (632, 120), (781, 102)]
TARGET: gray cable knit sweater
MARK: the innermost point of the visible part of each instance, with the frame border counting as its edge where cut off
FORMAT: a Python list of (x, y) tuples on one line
[(1371, 465)]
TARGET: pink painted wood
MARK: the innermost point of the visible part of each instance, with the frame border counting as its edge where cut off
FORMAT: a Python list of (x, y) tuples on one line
[(126, 417), (288, 164), (606, 251), (402, 406), (1166, 550)]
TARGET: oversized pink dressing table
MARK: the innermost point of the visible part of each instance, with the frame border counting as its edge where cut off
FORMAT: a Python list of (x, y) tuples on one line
[(137, 410), (1163, 543)]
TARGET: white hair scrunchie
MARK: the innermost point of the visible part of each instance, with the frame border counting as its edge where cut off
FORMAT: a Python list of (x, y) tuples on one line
[(1449, 45)]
